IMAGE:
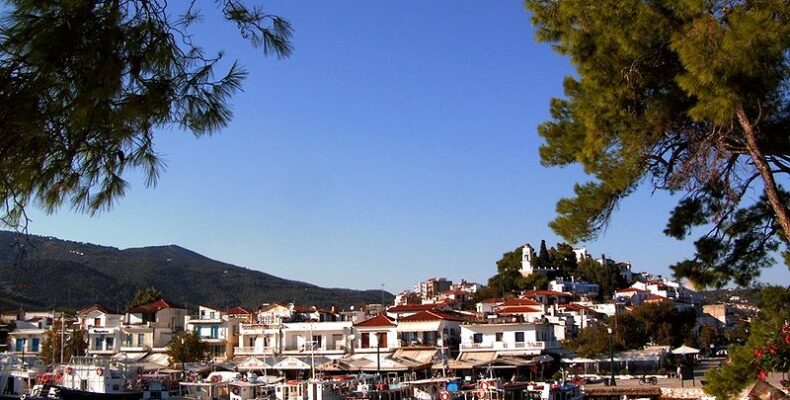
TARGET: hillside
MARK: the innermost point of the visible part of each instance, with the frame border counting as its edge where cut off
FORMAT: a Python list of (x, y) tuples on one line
[(46, 272)]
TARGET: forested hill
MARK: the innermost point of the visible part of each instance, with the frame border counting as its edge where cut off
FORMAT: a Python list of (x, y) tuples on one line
[(45, 272)]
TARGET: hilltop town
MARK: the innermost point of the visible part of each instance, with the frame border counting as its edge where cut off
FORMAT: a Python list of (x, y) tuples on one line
[(441, 325)]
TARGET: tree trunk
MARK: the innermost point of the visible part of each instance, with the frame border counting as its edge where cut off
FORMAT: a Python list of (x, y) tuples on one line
[(758, 158)]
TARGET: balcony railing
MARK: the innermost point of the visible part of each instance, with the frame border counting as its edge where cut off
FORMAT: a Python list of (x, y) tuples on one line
[(506, 345)]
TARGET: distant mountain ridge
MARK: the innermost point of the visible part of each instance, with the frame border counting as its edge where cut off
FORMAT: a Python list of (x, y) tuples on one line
[(45, 272)]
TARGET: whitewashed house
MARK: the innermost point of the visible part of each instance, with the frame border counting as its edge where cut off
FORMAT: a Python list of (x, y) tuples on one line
[(215, 328), (376, 335), (28, 336), (506, 339), (151, 326), (104, 329)]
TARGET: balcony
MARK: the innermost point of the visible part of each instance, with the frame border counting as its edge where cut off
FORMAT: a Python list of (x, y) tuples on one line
[(102, 351), (507, 346), (138, 348)]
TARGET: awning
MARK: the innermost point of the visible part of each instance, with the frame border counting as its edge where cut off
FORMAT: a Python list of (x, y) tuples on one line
[(289, 363), (685, 350), (362, 363), (251, 364), (421, 356), (478, 357), (156, 358), (131, 356), (515, 361)]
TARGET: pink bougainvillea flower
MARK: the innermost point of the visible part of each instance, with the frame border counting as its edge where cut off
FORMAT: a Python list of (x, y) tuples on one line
[(762, 375)]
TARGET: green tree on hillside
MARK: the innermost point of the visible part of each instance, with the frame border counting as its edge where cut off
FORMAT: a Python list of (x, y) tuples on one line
[(607, 277), (85, 84), (686, 96), (144, 296)]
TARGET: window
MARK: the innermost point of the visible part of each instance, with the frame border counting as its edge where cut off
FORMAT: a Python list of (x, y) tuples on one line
[(519, 337), (317, 341), (34, 344), (211, 315), (382, 339), (477, 338), (98, 342), (20, 344), (97, 322), (141, 339), (214, 331), (365, 339), (110, 343), (129, 338), (498, 336), (251, 341)]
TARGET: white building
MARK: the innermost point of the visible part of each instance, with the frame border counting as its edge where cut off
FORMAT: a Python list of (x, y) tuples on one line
[(296, 339), (28, 336), (215, 328), (573, 286), (151, 326), (104, 329), (527, 261), (506, 339)]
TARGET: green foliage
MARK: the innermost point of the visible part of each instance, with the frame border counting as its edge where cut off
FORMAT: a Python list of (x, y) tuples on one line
[(657, 323), (186, 347), (85, 84), (664, 324), (535, 281), (76, 345), (732, 377), (143, 297), (684, 96), (708, 335), (591, 342), (607, 276), (508, 278)]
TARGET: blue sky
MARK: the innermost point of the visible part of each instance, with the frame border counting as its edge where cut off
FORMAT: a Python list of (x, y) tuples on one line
[(397, 143)]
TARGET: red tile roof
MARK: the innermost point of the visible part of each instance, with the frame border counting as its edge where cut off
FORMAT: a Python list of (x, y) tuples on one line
[(520, 302), (492, 300), (629, 290), (238, 310), (550, 293), (655, 297), (518, 310), (416, 307), (436, 315), (160, 304), (576, 307), (379, 320)]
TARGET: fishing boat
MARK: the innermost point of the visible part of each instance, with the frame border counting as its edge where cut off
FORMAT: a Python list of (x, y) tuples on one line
[(87, 378)]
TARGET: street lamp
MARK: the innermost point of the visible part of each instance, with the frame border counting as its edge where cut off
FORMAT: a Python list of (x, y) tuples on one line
[(611, 358), (378, 353)]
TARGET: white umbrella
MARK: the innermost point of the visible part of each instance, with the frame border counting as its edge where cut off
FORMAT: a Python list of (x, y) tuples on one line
[(685, 350)]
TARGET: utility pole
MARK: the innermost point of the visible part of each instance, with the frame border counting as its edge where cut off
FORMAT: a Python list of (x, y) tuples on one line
[(611, 358), (62, 334)]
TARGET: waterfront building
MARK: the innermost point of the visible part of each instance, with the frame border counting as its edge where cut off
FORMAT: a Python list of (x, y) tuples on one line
[(28, 336), (150, 327), (492, 340), (216, 328), (103, 325)]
